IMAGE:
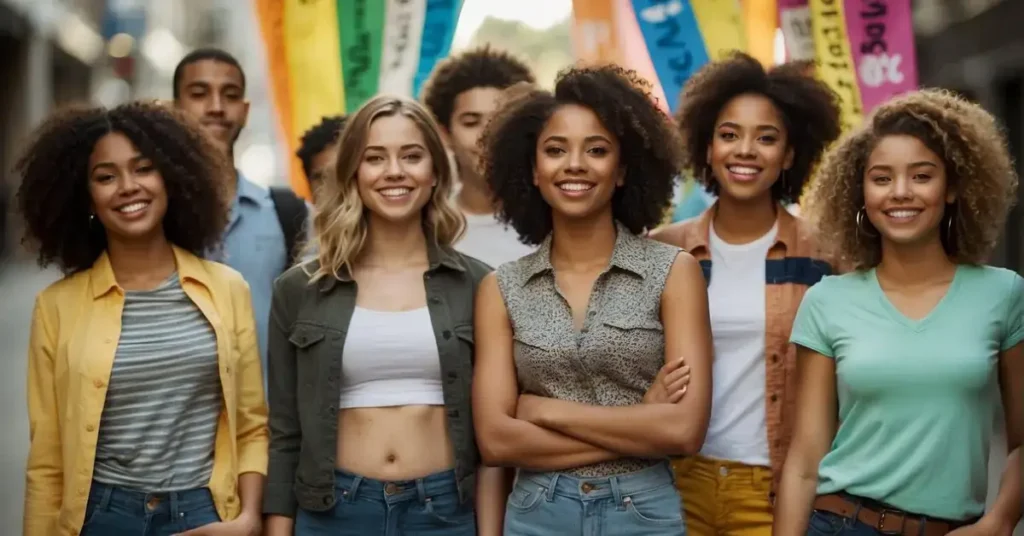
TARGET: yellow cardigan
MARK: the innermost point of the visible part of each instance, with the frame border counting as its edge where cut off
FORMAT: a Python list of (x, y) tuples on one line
[(76, 325)]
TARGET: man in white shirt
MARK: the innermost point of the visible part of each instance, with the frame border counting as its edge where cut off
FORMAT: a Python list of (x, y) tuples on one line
[(463, 93)]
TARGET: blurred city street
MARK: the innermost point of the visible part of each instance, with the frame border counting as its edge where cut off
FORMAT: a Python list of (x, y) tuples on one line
[(19, 283)]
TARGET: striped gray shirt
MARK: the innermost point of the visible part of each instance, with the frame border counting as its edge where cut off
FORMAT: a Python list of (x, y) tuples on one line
[(160, 418)]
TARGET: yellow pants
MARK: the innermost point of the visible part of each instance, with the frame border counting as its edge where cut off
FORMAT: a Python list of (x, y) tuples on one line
[(723, 498)]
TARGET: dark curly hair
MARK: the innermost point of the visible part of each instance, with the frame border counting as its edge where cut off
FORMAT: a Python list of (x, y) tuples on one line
[(809, 110), (54, 193), (978, 169), (649, 144), (479, 67), (317, 138)]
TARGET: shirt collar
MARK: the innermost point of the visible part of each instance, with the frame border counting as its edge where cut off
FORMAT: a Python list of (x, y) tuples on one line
[(628, 254), (189, 267), (438, 257), (786, 235), (252, 192)]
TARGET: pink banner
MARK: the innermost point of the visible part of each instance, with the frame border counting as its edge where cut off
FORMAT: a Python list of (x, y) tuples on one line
[(882, 42)]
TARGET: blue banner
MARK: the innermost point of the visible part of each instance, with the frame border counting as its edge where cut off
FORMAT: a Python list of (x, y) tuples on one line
[(438, 33), (674, 41)]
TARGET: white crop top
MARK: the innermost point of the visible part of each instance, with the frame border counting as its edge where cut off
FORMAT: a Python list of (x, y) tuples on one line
[(390, 359)]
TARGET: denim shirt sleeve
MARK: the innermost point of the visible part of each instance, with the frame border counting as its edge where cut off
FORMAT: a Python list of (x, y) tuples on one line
[(285, 432)]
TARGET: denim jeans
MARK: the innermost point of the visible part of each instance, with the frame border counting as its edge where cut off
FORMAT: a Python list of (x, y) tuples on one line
[(828, 524), (427, 506), (114, 511), (644, 503)]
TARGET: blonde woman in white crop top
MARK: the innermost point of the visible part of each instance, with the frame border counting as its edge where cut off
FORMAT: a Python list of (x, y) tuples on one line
[(370, 351)]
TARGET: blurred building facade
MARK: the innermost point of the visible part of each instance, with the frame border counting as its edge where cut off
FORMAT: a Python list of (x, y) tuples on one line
[(59, 52), (976, 47)]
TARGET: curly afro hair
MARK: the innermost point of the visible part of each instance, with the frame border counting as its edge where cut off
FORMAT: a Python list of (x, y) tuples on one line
[(978, 169), (479, 67), (809, 110), (54, 194), (649, 144), (317, 138)]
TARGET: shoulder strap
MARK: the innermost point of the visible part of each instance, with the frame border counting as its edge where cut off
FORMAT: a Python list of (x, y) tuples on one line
[(291, 214)]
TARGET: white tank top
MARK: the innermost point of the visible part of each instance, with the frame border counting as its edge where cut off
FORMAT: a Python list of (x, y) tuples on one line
[(390, 359)]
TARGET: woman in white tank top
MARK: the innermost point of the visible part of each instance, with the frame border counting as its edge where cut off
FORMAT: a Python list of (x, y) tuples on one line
[(370, 351)]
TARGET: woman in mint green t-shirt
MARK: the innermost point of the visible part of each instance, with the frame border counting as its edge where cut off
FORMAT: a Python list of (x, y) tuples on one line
[(901, 360)]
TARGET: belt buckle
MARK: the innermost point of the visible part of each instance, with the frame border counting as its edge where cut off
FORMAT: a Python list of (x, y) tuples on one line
[(882, 514)]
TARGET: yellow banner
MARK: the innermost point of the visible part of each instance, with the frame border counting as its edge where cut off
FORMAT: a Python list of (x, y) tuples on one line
[(314, 61), (760, 18), (594, 32), (721, 26), (834, 63)]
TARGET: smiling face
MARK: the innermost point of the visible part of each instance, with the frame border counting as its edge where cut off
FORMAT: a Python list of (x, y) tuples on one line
[(127, 191), (577, 163), (214, 94), (749, 148), (906, 191), (395, 176)]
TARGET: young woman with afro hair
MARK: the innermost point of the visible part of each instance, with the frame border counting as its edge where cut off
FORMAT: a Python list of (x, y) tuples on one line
[(570, 338), (901, 360), (145, 393), (752, 136)]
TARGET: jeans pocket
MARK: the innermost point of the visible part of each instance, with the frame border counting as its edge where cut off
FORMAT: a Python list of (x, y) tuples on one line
[(660, 507), (523, 499), (199, 517), (824, 523), (447, 510)]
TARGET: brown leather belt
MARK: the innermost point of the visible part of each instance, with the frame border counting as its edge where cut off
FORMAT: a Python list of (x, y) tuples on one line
[(885, 521)]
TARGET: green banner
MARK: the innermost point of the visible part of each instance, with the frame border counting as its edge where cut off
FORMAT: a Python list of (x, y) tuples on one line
[(361, 25)]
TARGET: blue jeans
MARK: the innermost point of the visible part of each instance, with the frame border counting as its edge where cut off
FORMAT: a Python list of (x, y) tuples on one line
[(427, 506), (113, 511), (828, 524), (644, 503)]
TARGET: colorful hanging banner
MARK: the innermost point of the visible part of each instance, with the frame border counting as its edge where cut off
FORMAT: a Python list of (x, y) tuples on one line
[(361, 23), (683, 35), (881, 37), (795, 21), (328, 57), (633, 51), (595, 36), (834, 63)]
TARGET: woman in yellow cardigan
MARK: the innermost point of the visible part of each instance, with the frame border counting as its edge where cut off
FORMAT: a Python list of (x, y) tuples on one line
[(145, 395)]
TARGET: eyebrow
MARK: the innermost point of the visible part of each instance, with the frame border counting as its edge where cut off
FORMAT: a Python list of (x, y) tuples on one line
[(730, 124), (402, 148), (133, 160), (588, 139), (886, 167), (203, 84)]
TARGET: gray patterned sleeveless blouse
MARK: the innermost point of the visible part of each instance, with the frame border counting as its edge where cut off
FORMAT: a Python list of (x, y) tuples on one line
[(613, 360)]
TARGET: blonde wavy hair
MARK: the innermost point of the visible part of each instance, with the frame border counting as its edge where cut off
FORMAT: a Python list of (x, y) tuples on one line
[(340, 216), (978, 168)]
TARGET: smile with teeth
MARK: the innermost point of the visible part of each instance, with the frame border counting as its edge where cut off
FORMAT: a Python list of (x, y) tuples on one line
[(744, 170), (575, 186), (397, 191), (902, 213), (134, 207)]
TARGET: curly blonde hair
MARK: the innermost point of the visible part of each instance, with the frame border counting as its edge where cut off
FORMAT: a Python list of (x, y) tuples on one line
[(340, 219), (978, 169)]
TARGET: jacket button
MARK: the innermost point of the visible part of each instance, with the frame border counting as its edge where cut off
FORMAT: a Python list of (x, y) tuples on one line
[(447, 334), (435, 301), (775, 358), (327, 500), (98, 383), (774, 398)]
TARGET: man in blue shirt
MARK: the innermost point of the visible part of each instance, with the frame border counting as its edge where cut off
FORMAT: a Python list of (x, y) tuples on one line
[(266, 227)]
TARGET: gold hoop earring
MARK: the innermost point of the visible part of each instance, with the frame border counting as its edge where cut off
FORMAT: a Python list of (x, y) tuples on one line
[(861, 216)]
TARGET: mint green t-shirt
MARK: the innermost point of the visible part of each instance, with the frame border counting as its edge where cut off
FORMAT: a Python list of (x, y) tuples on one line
[(916, 398)]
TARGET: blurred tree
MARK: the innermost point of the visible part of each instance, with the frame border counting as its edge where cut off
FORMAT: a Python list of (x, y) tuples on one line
[(547, 51)]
